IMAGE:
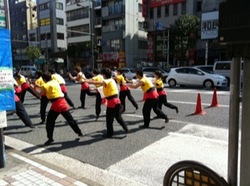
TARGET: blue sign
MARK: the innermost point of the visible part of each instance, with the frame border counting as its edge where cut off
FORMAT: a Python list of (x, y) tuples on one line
[(7, 101)]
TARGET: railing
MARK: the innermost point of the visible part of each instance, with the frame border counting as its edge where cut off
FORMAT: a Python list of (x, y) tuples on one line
[(192, 173), (113, 28)]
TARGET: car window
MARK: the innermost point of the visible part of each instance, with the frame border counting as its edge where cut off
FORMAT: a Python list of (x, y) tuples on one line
[(195, 72), (223, 66), (132, 70), (182, 71), (125, 71)]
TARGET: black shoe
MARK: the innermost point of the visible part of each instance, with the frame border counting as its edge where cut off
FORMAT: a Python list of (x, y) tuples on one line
[(80, 134), (136, 108), (48, 142), (97, 116), (143, 126), (177, 110), (127, 130), (166, 120), (32, 126)]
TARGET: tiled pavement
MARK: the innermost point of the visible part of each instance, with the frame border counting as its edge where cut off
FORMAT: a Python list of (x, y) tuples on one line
[(26, 172)]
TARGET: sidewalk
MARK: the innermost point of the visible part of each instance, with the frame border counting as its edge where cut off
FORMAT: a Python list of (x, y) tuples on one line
[(22, 171)]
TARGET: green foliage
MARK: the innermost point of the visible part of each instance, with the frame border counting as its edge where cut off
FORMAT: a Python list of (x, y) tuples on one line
[(183, 36), (33, 52)]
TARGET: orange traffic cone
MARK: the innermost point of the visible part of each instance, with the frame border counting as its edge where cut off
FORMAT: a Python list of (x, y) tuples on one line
[(214, 100), (199, 109)]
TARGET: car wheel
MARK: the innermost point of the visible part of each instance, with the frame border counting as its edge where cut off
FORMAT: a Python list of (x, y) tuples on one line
[(208, 84), (172, 83)]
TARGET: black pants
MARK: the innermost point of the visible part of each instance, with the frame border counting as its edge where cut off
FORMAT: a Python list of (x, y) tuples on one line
[(163, 100), (51, 119), (122, 97), (83, 96), (43, 105), (69, 101), (146, 110), (98, 103), (23, 93), (112, 113), (22, 114)]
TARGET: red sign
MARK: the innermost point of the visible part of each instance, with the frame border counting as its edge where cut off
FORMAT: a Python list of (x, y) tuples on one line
[(144, 8), (156, 3)]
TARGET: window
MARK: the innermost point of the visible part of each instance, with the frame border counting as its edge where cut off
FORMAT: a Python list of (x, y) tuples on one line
[(199, 6), (151, 13), (76, 31), (59, 21), (60, 36), (166, 10), (32, 37), (140, 26), (44, 6), (77, 14), (159, 12), (183, 8), (175, 9), (139, 7), (59, 6)]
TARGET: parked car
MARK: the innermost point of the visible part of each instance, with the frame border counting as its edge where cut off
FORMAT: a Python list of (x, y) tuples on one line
[(28, 71), (129, 73), (196, 77), (150, 72), (206, 68)]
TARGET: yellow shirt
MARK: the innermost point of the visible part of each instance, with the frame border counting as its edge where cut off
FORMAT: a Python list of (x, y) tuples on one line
[(97, 78), (120, 79), (39, 82), (109, 88), (21, 81), (53, 90), (159, 83), (147, 84)]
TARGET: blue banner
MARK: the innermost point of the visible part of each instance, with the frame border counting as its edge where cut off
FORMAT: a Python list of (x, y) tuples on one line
[(7, 101)]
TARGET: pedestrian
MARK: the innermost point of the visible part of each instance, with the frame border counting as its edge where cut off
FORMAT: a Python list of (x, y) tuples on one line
[(151, 98), (44, 100), (162, 93), (20, 110), (97, 77), (110, 92), (62, 84), (85, 88), (58, 106), (25, 86), (124, 90)]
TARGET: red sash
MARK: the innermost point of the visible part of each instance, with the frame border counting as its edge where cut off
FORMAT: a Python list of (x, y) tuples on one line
[(24, 86), (151, 95), (63, 88), (123, 87), (161, 92), (113, 102), (16, 98), (60, 105), (84, 86)]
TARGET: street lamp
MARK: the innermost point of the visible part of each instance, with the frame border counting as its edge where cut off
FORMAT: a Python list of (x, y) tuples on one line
[(91, 18)]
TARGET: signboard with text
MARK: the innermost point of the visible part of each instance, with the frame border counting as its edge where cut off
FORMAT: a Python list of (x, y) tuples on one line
[(156, 3), (2, 15), (7, 101), (209, 25)]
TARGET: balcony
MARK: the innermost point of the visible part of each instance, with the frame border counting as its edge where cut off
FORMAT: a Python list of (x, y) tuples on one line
[(113, 28)]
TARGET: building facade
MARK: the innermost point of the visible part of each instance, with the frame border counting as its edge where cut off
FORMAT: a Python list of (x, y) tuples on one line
[(115, 36)]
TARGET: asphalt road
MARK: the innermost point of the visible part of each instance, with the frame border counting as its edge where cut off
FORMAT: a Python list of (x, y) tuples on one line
[(104, 153)]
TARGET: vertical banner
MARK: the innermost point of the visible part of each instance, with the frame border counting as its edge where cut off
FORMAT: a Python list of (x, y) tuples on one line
[(7, 101)]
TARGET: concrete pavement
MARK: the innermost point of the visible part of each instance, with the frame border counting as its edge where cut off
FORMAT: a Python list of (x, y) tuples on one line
[(147, 166)]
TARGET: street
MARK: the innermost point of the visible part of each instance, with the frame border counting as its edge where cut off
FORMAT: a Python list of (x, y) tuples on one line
[(140, 157)]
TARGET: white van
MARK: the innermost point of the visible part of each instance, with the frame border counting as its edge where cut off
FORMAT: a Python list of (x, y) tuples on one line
[(224, 68), (28, 71)]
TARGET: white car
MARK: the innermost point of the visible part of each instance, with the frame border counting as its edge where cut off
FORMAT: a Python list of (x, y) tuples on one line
[(195, 77), (129, 73)]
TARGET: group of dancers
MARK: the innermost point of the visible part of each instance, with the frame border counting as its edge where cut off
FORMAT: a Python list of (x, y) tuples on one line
[(51, 87)]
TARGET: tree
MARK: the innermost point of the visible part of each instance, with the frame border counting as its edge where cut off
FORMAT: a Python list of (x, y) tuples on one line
[(183, 36), (33, 53)]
